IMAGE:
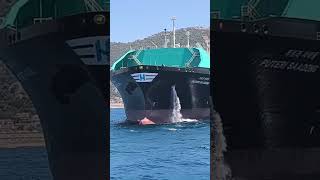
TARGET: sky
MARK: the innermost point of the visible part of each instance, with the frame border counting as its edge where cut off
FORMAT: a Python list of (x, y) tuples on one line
[(131, 20)]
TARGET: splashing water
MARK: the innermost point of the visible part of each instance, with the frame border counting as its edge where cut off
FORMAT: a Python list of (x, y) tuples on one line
[(176, 109), (176, 116), (221, 169)]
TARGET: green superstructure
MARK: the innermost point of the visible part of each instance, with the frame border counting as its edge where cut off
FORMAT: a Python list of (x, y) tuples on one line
[(257, 9), (28, 12), (169, 57)]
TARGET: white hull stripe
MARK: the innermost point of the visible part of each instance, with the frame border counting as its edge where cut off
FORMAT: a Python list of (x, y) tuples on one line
[(144, 77), (92, 50)]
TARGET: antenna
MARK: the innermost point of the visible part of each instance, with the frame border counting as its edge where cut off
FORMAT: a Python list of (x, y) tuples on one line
[(174, 31), (188, 39), (165, 37)]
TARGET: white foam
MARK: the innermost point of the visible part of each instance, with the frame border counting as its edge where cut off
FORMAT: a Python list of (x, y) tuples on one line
[(172, 129), (189, 120)]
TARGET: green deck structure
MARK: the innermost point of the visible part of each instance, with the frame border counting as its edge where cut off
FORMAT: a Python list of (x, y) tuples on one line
[(26, 12), (234, 9), (169, 57)]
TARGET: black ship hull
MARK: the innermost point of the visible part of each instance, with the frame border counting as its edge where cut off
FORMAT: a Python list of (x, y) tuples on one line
[(267, 95), (64, 69), (152, 96)]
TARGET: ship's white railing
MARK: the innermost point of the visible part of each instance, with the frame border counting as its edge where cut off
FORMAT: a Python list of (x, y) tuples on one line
[(156, 46), (143, 48), (92, 5), (254, 3), (13, 28), (174, 65), (197, 45), (138, 53), (40, 20), (194, 55), (249, 10), (135, 57)]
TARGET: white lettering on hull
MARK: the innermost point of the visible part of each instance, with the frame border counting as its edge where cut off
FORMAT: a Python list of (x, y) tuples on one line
[(309, 55), (201, 80), (287, 65)]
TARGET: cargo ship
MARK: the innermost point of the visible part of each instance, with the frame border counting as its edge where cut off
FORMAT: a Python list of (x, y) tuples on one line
[(58, 50), (164, 85), (265, 64)]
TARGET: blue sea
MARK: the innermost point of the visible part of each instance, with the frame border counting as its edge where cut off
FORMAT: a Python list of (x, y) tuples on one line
[(24, 164), (159, 152)]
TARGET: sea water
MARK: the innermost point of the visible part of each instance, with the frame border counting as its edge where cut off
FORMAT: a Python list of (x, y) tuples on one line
[(159, 152), (24, 164)]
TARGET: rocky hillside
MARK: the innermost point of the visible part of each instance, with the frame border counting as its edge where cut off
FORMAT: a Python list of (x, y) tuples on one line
[(197, 35), (17, 113)]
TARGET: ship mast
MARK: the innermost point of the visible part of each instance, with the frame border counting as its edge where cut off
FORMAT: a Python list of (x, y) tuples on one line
[(174, 31), (165, 37), (40, 7), (188, 39)]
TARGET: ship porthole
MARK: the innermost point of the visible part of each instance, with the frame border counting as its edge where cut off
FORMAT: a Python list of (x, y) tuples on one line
[(99, 19), (255, 28), (243, 27), (265, 29)]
